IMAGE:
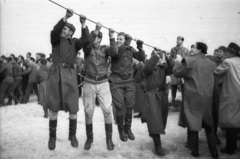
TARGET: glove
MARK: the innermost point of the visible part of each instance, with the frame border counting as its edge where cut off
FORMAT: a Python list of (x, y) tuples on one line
[(139, 44), (128, 39)]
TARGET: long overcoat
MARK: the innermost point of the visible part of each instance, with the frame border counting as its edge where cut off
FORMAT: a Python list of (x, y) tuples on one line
[(42, 74), (229, 108), (198, 74), (62, 90), (155, 108)]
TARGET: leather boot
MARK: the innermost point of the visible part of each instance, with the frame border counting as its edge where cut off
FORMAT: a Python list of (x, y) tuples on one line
[(52, 134), (89, 141), (157, 143), (108, 129), (72, 132), (128, 122), (194, 143), (211, 139), (121, 130)]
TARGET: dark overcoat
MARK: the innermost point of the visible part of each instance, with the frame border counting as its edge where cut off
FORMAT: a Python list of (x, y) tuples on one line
[(42, 74), (198, 74), (62, 90), (155, 108)]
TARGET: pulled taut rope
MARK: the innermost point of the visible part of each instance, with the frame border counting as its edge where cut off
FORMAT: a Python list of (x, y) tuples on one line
[(96, 22)]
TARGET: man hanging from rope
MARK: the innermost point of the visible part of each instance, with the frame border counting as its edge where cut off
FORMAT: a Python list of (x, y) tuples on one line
[(96, 83), (122, 84), (62, 90)]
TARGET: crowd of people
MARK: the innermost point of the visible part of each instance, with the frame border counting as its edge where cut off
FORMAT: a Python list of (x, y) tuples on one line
[(121, 79)]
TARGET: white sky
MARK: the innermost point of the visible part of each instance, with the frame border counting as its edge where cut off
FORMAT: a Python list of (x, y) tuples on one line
[(26, 24)]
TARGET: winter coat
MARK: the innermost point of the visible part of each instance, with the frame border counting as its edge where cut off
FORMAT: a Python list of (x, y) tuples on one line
[(62, 90), (7, 72), (198, 74), (229, 108), (41, 79), (155, 108)]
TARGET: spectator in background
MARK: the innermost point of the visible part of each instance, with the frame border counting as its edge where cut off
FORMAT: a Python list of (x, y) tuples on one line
[(41, 75), (7, 84), (28, 56), (177, 50), (32, 85)]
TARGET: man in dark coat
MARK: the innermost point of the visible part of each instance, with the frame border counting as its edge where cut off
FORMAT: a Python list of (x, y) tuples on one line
[(32, 85), (122, 84), (7, 83), (198, 73), (62, 92), (153, 81), (17, 85), (41, 79), (96, 83)]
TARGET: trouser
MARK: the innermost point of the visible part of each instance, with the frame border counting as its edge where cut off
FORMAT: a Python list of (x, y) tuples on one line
[(54, 115), (79, 80), (231, 136), (24, 84), (6, 88), (102, 92), (194, 139), (31, 86), (123, 95), (174, 91), (17, 86)]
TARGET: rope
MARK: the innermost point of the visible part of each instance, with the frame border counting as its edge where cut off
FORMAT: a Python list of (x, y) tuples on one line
[(96, 22)]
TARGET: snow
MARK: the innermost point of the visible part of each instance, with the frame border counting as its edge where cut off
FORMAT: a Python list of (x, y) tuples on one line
[(24, 134)]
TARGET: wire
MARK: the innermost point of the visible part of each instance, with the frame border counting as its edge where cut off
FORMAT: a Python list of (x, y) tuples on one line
[(96, 22)]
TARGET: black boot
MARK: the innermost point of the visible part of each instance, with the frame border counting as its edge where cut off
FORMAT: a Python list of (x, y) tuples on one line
[(157, 143), (45, 113), (89, 141), (121, 130), (108, 128), (231, 141), (72, 132), (211, 139), (52, 134), (187, 145), (128, 122), (194, 142)]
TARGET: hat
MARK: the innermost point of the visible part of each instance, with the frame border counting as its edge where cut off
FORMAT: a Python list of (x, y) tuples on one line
[(223, 48), (70, 26), (121, 33), (42, 55), (100, 35), (234, 48)]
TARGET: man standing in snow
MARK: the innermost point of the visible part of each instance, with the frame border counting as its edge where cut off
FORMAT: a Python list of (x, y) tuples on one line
[(198, 73), (62, 91)]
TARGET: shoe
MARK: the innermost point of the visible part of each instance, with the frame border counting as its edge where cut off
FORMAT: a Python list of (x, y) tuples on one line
[(195, 153), (89, 140), (227, 151), (121, 131), (72, 132), (110, 145), (128, 123), (157, 144), (52, 134)]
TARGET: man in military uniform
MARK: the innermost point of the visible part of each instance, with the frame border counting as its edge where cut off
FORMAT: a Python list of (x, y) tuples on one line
[(122, 84), (62, 91), (96, 83)]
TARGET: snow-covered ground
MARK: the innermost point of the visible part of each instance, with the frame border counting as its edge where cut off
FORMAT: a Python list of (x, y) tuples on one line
[(24, 134)]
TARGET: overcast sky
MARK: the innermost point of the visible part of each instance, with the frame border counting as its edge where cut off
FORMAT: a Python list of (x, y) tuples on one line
[(26, 24)]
